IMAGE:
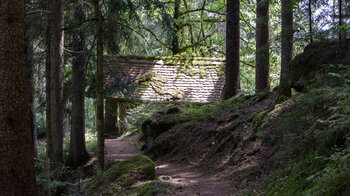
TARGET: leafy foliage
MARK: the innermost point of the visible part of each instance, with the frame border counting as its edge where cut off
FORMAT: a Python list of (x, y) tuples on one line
[(139, 113), (315, 158)]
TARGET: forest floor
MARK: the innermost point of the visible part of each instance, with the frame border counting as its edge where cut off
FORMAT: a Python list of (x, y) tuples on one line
[(186, 178)]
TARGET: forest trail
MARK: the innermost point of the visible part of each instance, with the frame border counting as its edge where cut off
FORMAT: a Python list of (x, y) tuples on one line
[(187, 179)]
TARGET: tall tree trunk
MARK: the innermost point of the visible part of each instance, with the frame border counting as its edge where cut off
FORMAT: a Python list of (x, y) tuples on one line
[(287, 46), (111, 110), (340, 5), (310, 20), (334, 13), (77, 151), (29, 65), (99, 89), (175, 44), (112, 41), (56, 82), (48, 89), (262, 82), (16, 149), (232, 77)]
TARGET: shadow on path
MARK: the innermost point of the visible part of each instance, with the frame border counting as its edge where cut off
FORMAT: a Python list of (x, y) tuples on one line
[(186, 178)]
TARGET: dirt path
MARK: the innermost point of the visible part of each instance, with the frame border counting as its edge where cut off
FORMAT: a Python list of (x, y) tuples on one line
[(186, 179)]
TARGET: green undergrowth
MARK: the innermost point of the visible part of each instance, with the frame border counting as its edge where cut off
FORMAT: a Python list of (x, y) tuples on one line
[(139, 113), (44, 183), (153, 188), (145, 189), (315, 156), (123, 174), (200, 112)]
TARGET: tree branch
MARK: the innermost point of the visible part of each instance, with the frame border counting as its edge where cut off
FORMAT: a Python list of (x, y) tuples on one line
[(133, 30), (157, 39), (38, 11), (79, 24), (195, 44)]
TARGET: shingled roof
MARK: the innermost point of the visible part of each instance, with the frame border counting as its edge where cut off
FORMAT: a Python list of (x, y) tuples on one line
[(196, 80)]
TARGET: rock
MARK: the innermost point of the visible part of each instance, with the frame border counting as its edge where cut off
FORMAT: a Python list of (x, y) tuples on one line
[(173, 110), (159, 123), (162, 144), (124, 174), (193, 182), (325, 52)]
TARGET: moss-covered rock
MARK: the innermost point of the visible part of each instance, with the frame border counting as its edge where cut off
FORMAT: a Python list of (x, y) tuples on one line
[(154, 188), (124, 174), (315, 56), (259, 116), (161, 122), (163, 144)]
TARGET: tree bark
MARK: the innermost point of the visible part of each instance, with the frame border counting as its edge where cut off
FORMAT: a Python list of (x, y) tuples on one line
[(78, 154), (56, 82), (48, 89), (29, 65), (340, 5), (287, 46), (99, 89), (310, 21), (111, 110), (175, 44), (262, 81), (17, 176), (232, 77)]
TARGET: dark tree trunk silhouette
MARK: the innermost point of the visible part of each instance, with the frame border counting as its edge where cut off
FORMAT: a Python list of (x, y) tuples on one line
[(78, 154), (111, 110), (262, 81), (56, 82), (310, 20), (16, 149), (287, 46), (340, 7), (232, 83), (175, 44), (48, 79), (99, 88), (29, 65)]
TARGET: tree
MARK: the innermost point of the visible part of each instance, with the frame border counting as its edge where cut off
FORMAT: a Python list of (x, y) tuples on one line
[(30, 65), (77, 150), (111, 116), (180, 26), (232, 83), (16, 149), (287, 46), (48, 79), (56, 81), (340, 9), (175, 43), (99, 89), (262, 82), (310, 20)]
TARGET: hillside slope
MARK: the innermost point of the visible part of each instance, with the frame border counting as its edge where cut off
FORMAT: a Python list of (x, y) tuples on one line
[(265, 144)]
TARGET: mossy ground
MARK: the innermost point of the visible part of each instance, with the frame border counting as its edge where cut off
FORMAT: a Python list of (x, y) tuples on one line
[(145, 189), (124, 174)]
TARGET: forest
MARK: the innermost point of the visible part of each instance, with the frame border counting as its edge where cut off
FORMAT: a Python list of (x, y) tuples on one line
[(175, 97)]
